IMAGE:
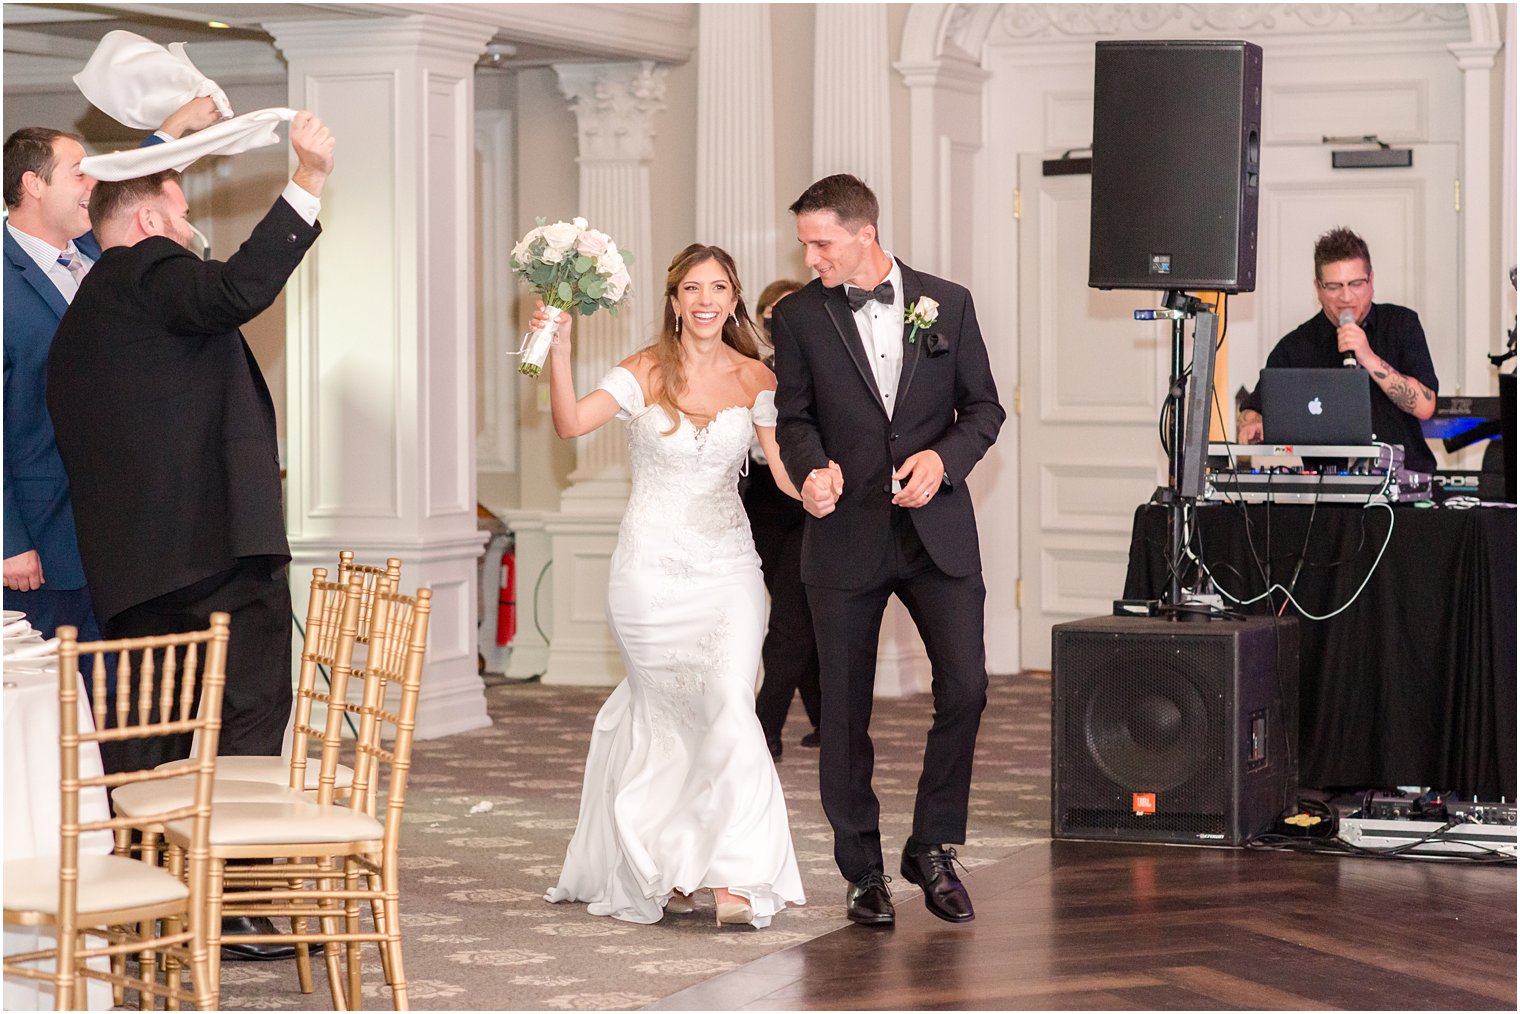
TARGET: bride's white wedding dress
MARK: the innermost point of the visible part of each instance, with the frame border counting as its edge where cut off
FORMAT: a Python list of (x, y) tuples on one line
[(680, 792)]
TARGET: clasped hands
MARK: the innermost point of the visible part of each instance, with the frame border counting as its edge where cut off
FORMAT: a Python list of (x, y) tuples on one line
[(920, 475)]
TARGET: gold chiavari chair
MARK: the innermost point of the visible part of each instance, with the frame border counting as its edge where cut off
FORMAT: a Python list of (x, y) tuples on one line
[(315, 845), (322, 649), (386, 578), (330, 634), (112, 897)]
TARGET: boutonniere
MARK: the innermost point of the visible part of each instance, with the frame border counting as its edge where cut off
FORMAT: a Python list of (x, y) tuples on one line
[(920, 317)]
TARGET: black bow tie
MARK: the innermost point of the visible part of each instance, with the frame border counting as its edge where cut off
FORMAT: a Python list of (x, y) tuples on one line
[(883, 293)]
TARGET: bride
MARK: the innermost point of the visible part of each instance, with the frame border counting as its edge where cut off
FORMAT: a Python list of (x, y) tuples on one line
[(680, 792)]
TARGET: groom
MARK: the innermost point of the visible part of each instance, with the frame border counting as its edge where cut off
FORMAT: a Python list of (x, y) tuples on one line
[(880, 422)]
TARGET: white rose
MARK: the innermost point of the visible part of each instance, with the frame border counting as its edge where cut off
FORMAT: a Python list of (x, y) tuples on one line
[(617, 285), (609, 264), (561, 236), (926, 310), (551, 255), (580, 223), (520, 251), (592, 244)]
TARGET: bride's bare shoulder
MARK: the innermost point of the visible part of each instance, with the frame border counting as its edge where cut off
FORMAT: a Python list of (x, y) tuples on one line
[(756, 377), (641, 365)]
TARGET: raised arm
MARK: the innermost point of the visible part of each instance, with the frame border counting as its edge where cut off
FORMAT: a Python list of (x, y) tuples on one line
[(572, 417)]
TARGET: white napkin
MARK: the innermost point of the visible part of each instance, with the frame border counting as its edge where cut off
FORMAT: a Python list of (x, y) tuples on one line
[(229, 137), (38, 649), (15, 628), (139, 83)]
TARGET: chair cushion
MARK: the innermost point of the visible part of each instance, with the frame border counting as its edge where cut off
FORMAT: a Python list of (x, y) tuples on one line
[(106, 883), (141, 798), (274, 770), (287, 823)]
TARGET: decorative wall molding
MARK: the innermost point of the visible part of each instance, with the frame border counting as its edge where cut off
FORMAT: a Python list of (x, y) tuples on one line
[(1029, 21), (496, 432)]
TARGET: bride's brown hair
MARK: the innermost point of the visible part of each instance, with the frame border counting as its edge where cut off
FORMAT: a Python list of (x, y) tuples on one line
[(667, 378)]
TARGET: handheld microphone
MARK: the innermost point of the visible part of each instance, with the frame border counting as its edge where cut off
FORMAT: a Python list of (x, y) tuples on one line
[(1348, 317)]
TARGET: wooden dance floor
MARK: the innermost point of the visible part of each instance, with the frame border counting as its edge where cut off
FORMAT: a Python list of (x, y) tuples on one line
[(1088, 925)]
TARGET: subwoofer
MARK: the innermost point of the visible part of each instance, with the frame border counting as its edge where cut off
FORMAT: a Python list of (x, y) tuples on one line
[(1175, 165), (1178, 732)]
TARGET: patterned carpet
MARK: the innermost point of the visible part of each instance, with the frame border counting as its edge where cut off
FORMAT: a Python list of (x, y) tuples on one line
[(478, 935)]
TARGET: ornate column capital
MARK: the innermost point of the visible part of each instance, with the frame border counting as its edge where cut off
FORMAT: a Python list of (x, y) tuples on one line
[(615, 106)]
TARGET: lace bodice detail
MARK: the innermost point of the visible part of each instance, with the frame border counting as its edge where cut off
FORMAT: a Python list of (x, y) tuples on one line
[(684, 507)]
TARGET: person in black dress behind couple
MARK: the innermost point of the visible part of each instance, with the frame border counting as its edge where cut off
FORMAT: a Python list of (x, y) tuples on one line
[(790, 654)]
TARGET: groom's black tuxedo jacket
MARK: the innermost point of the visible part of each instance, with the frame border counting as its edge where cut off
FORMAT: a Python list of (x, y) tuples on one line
[(830, 408)]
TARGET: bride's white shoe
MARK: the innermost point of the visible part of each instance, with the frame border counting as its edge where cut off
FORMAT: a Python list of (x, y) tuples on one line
[(733, 910), (680, 904)]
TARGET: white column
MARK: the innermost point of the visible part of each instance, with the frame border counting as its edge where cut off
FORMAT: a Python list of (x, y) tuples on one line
[(381, 329), (736, 177), (615, 107), (1481, 275), (852, 107)]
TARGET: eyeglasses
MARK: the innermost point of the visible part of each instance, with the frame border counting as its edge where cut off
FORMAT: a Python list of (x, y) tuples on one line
[(1355, 285)]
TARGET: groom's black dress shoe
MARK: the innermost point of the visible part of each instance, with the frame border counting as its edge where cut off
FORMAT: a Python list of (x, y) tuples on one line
[(243, 925), (869, 903), (933, 868)]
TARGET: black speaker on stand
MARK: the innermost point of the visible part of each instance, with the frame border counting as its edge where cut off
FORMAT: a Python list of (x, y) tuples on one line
[(1185, 733), (1175, 166)]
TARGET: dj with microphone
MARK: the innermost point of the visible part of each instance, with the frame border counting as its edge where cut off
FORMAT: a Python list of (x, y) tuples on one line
[(1351, 330)]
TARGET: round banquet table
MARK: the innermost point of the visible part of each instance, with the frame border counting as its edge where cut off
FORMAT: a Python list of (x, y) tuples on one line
[(31, 780)]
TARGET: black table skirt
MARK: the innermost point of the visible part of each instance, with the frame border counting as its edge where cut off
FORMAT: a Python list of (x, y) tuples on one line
[(1414, 684)]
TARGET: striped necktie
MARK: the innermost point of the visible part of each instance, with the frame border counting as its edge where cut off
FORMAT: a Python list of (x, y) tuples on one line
[(70, 259)]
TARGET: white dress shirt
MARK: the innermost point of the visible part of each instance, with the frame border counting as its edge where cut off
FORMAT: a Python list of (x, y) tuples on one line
[(881, 332), (46, 255), (305, 205)]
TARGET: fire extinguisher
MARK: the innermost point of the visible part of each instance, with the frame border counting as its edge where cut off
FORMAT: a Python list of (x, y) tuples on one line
[(506, 601)]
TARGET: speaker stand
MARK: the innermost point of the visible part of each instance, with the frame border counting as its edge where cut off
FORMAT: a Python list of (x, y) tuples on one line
[(1179, 307)]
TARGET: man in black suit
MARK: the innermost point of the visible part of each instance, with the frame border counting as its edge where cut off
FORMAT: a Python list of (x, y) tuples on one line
[(881, 420), (167, 433)]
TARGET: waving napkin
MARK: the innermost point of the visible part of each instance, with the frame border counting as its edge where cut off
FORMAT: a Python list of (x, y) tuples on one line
[(139, 83), (241, 133)]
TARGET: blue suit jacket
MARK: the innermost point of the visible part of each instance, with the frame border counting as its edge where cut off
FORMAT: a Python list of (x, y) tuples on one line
[(38, 512)]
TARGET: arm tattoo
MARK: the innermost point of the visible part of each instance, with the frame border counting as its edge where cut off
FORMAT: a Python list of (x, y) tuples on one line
[(1404, 394)]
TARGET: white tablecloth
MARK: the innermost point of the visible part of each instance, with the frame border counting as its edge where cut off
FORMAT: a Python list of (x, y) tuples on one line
[(31, 780)]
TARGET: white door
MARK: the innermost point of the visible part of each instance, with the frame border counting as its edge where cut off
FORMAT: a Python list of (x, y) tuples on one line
[(1093, 377)]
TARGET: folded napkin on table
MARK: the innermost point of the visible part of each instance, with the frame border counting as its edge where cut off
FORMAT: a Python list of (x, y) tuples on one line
[(15, 628), (34, 649)]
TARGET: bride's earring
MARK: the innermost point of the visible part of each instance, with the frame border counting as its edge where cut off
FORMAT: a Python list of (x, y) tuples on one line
[(678, 325)]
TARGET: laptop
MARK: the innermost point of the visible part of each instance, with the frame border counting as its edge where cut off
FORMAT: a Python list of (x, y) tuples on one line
[(1318, 406)]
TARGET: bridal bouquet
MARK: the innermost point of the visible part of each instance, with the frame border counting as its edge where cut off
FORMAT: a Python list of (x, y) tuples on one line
[(572, 267)]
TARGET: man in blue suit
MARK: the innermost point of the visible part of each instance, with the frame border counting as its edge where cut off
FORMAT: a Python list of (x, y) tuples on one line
[(48, 249)]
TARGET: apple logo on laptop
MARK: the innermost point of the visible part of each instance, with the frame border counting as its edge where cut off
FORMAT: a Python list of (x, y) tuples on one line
[(1315, 408)]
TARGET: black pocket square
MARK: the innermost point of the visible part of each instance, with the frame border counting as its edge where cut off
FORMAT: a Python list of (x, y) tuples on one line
[(936, 344)]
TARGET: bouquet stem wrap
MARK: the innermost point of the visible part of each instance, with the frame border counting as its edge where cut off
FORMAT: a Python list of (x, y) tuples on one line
[(536, 345)]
